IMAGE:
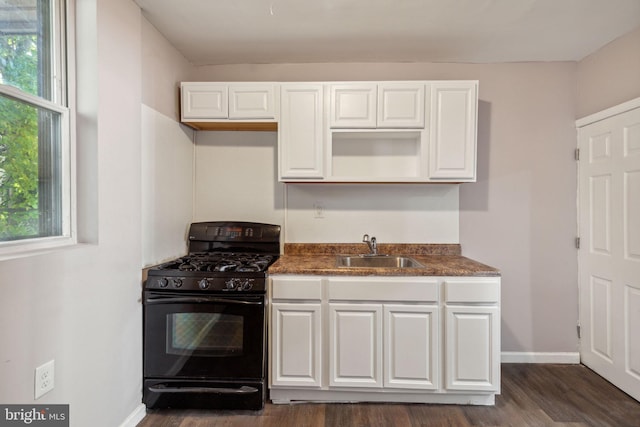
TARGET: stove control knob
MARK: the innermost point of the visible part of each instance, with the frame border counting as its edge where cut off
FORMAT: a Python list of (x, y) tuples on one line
[(204, 284), (232, 284), (177, 283), (247, 285), (163, 282)]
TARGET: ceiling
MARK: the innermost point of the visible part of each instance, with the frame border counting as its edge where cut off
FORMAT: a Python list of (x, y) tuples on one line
[(210, 32)]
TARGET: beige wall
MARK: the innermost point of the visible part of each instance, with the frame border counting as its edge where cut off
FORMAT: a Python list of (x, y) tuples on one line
[(609, 76), (520, 216)]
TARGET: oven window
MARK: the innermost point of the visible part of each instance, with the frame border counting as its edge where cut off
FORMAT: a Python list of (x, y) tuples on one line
[(205, 334)]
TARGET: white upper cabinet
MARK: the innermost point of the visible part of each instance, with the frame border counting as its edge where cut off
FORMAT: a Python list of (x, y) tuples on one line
[(401, 105), (253, 101), (388, 131), (377, 105), (353, 105), (452, 139), (206, 102), (301, 131)]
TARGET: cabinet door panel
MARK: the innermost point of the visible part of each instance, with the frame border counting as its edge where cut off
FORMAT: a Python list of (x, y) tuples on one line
[(353, 106), (204, 101), (252, 102), (472, 348), (355, 345), (452, 142), (296, 354), (411, 346), (301, 132), (401, 105)]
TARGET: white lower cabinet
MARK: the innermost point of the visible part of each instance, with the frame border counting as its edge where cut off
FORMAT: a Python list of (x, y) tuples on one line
[(355, 345), (383, 345), (295, 331), (472, 339), (411, 350), (391, 339), (296, 344), (471, 342)]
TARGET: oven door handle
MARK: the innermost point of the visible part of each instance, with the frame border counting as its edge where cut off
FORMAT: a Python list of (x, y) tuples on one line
[(216, 390), (158, 299)]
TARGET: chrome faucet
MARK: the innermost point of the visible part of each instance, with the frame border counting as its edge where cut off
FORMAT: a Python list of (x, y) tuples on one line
[(372, 243)]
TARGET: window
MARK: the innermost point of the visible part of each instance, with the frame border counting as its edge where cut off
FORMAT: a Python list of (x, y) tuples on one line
[(35, 148)]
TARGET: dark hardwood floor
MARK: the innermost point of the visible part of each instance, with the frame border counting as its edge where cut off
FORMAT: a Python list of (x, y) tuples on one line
[(532, 395)]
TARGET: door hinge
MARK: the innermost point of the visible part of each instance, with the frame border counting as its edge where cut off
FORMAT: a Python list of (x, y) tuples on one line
[(579, 330), (576, 154), (577, 243)]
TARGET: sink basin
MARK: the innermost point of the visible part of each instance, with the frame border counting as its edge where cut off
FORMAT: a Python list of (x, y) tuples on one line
[(377, 261)]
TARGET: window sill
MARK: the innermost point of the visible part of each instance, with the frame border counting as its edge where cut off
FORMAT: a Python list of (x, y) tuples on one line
[(41, 247)]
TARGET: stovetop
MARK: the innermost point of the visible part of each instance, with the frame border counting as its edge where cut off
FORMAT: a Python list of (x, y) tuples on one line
[(221, 262), (223, 256)]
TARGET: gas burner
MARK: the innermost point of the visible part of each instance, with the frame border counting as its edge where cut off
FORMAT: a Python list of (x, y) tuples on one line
[(220, 261), (220, 253)]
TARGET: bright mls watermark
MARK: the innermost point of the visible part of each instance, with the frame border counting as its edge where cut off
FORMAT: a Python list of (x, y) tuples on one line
[(34, 415)]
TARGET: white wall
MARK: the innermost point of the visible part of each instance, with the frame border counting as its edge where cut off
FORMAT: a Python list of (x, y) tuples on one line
[(236, 178), (167, 186), (167, 168), (520, 216), (81, 306), (393, 213)]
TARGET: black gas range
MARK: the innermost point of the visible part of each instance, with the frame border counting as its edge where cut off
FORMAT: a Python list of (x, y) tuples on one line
[(205, 319)]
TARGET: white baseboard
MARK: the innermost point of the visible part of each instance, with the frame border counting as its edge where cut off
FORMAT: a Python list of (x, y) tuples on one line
[(569, 358), (135, 417)]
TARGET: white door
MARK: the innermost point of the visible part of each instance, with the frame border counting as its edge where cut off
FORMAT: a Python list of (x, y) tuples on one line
[(256, 101), (452, 142), (301, 131), (609, 255), (355, 345), (472, 347), (295, 344), (411, 343), (353, 105), (204, 101), (401, 105)]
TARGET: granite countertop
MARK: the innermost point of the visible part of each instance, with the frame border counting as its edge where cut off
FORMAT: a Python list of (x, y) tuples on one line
[(320, 259)]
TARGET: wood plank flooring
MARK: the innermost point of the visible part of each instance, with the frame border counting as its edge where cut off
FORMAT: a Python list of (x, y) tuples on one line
[(532, 395)]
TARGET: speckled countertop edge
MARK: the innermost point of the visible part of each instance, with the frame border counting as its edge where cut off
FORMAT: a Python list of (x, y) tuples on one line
[(361, 248), (320, 259)]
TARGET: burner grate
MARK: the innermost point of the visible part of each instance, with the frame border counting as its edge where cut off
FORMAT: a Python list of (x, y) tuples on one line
[(222, 262)]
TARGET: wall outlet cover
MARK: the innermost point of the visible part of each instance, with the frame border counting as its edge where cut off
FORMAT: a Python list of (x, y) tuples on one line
[(44, 379)]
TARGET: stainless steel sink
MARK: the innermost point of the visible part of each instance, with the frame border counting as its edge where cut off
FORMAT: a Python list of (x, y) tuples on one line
[(377, 261)]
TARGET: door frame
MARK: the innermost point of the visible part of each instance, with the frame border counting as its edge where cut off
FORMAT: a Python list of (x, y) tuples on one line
[(583, 122)]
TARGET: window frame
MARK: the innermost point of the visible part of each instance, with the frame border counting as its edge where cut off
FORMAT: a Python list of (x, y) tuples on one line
[(62, 84)]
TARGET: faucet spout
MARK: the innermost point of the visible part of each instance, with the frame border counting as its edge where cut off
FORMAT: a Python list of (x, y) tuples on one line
[(372, 243)]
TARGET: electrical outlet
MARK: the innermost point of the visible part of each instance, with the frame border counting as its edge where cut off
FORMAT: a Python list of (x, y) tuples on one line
[(44, 378), (318, 210)]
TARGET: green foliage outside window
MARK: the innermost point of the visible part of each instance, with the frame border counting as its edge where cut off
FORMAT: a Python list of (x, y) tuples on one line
[(19, 214)]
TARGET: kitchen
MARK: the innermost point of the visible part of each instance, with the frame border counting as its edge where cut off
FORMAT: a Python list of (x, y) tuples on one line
[(519, 216)]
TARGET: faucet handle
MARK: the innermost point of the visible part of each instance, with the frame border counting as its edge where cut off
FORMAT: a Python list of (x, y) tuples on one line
[(365, 238)]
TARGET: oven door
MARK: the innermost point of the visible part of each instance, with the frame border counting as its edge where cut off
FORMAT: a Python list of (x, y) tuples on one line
[(203, 336)]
